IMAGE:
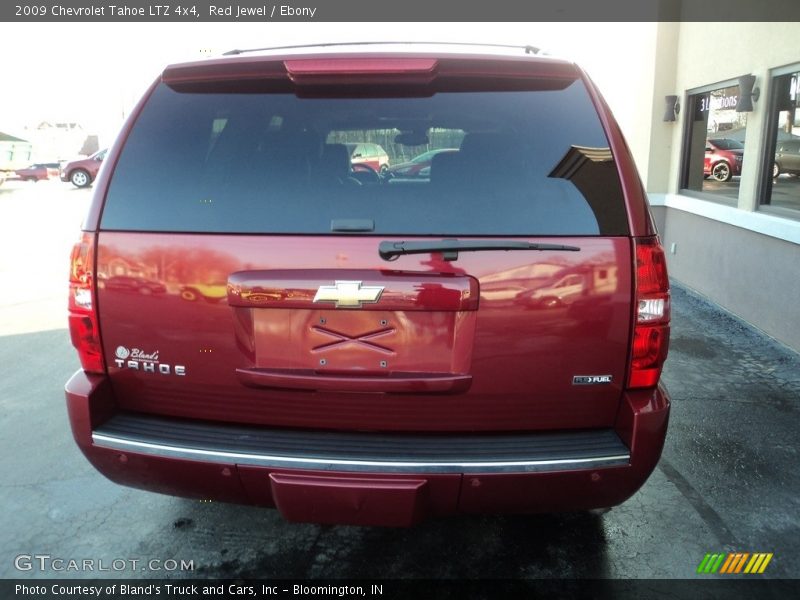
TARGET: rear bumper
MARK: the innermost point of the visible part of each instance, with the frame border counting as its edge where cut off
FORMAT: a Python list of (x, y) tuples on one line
[(370, 479)]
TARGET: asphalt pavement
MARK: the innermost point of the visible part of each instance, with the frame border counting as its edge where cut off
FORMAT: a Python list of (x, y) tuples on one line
[(729, 479)]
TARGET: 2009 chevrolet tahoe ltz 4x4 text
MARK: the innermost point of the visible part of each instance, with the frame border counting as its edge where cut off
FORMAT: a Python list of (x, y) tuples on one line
[(372, 350)]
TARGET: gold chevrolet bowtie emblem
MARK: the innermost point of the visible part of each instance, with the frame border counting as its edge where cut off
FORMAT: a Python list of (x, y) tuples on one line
[(349, 294)]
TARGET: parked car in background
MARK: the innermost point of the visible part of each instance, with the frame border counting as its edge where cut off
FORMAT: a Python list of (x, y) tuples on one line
[(419, 166), (370, 155), (126, 283), (787, 158), (210, 292), (82, 172), (38, 172), (723, 159), (552, 294)]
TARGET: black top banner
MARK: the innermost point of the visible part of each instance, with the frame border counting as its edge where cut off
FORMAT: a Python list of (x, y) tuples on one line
[(398, 10)]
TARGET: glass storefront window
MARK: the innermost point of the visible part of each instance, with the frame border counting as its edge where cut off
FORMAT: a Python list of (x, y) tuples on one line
[(714, 143), (782, 163)]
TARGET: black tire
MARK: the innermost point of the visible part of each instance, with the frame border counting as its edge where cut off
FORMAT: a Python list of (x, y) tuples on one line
[(721, 171), (80, 178)]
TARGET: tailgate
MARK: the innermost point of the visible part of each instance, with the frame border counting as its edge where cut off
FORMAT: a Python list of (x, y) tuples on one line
[(227, 328)]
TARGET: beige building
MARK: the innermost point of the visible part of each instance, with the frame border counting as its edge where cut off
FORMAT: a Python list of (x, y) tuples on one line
[(719, 153)]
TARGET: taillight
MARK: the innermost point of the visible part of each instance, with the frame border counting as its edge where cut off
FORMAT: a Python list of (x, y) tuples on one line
[(651, 329), (82, 316)]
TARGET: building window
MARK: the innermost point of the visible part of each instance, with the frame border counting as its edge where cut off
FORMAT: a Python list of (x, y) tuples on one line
[(714, 143), (782, 162)]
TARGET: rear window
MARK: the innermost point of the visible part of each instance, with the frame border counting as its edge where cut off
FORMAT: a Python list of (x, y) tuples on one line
[(460, 163)]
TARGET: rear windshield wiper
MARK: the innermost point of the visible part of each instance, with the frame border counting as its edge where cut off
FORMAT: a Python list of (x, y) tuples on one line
[(451, 248)]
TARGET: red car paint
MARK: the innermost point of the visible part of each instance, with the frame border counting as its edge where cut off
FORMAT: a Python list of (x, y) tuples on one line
[(38, 172), (425, 352), (723, 159), (82, 172)]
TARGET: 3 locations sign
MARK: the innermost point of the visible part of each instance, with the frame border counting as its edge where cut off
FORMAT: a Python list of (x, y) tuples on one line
[(722, 99)]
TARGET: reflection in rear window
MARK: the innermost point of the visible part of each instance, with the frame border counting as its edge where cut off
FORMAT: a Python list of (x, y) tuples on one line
[(508, 163), (727, 144)]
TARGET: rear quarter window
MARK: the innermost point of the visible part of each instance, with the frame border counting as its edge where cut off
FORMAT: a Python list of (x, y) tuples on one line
[(525, 163)]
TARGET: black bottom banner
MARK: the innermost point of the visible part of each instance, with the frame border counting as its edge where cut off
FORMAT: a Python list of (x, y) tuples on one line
[(261, 589)]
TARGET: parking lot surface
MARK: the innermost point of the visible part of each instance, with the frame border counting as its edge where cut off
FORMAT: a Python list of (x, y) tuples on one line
[(729, 479)]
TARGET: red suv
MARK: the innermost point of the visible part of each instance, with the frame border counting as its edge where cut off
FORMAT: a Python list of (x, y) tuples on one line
[(82, 172), (358, 367)]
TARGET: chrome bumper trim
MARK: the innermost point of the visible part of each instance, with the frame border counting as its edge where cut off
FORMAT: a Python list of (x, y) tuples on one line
[(339, 464)]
